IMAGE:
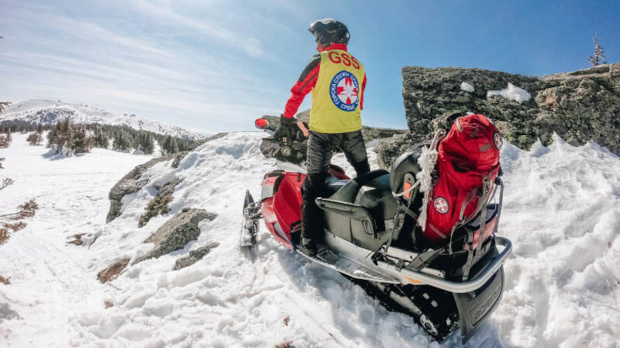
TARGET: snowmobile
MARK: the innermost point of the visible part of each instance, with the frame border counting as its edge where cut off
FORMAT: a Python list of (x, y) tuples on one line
[(288, 149), (371, 237)]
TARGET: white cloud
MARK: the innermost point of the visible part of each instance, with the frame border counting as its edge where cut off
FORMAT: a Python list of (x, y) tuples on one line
[(156, 71), (250, 44)]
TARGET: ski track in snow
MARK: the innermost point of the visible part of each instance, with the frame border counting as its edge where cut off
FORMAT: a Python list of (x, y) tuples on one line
[(561, 211)]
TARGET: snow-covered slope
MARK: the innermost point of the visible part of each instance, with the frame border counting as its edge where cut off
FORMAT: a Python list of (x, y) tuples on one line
[(562, 211), (47, 112)]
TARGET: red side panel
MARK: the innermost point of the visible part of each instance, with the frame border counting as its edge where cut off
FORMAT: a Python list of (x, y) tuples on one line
[(283, 209), (287, 200)]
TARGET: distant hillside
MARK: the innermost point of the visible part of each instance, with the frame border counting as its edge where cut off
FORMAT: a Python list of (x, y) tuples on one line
[(47, 112)]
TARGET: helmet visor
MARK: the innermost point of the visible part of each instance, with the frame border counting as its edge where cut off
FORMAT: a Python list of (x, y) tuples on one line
[(320, 25)]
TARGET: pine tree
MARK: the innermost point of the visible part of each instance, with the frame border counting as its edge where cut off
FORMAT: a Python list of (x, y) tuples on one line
[(599, 53), (3, 105), (6, 138), (53, 135), (169, 146), (146, 143), (65, 138), (101, 139), (82, 143), (122, 141), (34, 138)]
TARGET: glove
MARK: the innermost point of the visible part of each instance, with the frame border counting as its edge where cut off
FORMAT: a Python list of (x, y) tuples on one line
[(284, 129)]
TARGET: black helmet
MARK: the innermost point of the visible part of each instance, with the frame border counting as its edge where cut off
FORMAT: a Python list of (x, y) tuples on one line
[(327, 31)]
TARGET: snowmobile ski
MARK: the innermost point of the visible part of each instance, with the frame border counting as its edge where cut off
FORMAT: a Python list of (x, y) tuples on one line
[(249, 230)]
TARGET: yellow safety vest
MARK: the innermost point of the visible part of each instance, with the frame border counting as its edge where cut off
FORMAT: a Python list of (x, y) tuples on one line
[(337, 95)]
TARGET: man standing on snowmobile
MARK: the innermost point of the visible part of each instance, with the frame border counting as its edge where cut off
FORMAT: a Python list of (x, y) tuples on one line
[(337, 81)]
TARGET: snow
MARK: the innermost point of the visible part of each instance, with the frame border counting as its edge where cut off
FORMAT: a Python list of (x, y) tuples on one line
[(512, 92), (467, 87), (40, 111), (562, 212)]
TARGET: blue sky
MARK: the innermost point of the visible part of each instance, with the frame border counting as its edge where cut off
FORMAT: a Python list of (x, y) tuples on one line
[(217, 65)]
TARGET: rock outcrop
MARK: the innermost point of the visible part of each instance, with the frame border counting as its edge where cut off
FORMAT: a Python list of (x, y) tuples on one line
[(133, 182), (194, 256), (579, 106), (177, 232), (159, 203)]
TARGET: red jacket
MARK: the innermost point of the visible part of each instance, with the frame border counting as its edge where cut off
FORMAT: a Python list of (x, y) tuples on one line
[(307, 81)]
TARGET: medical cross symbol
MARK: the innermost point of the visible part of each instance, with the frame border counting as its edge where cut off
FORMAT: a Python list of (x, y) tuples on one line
[(441, 205), (347, 93), (344, 91)]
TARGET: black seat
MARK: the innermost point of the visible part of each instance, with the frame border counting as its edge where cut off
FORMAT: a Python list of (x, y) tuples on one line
[(333, 184), (362, 210)]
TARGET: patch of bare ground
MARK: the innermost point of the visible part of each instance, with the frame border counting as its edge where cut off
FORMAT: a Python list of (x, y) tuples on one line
[(287, 344), (112, 271), (77, 239)]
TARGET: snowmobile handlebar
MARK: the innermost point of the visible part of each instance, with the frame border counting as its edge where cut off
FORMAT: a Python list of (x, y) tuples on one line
[(452, 286)]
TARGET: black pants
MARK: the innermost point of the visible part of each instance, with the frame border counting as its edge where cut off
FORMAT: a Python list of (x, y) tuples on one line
[(321, 148)]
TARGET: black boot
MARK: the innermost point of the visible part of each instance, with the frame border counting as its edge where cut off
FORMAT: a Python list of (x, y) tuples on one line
[(311, 214), (308, 247)]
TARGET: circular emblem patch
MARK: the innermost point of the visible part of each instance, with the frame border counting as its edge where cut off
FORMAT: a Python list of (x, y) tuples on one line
[(344, 91), (497, 139), (441, 205)]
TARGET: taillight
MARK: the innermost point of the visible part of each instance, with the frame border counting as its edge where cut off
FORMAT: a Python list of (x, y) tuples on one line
[(488, 230), (261, 123), (406, 187)]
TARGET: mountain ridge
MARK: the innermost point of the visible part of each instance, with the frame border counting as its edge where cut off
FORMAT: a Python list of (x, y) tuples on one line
[(48, 112)]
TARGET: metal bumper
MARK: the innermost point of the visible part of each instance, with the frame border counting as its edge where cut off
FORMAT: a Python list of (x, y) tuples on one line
[(409, 277)]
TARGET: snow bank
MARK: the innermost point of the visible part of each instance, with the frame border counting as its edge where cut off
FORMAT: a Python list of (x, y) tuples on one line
[(562, 212), (512, 92)]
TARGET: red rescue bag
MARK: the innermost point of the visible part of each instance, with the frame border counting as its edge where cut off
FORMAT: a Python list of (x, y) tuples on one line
[(467, 164)]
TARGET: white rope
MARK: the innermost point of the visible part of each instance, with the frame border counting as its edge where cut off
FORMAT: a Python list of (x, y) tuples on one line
[(427, 162)]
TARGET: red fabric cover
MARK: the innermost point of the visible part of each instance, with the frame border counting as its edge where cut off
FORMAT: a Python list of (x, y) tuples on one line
[(469, 153)]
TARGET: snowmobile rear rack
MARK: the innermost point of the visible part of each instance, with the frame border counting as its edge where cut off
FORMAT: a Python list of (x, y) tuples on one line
[(474, 283)]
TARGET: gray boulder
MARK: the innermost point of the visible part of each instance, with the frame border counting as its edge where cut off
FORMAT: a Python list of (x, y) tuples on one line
[(177, 232), (194, 256)]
